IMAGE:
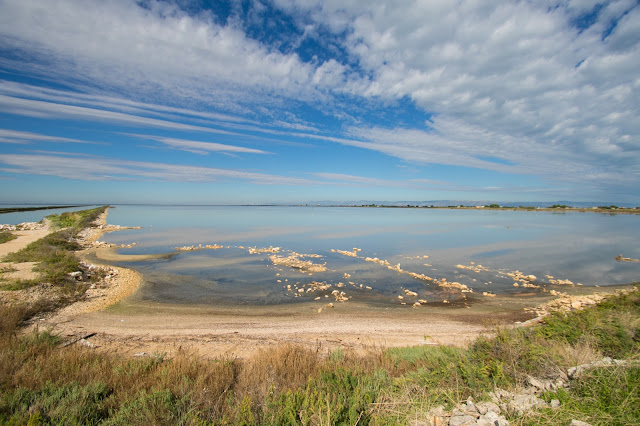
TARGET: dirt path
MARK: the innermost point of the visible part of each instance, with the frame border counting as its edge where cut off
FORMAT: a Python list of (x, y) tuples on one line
[(22, 271)]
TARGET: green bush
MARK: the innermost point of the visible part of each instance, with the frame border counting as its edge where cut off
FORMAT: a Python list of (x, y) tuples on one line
[(613, 326)]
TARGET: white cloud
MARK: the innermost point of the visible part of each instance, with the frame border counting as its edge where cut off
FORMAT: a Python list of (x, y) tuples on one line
[(200, 147), (40, 102), (101, 168), (354, 180), (21, 90), (502, 80), (18, 137), (122, 45), (359, 180), (42, 109)]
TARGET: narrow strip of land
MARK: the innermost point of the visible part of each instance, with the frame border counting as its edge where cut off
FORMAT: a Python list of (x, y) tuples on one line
[(32, 209)]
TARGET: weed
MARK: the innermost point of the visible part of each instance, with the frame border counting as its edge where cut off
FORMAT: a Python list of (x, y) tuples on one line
[(55, 404), (6, 236), (7, 269), (609, 395), (11, 317), (18, 284)]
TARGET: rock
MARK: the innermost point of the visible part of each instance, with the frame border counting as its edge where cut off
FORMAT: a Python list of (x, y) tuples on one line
[(541, 384), (535, 383), (471, 406), (439, 421), (522, 403), (437, 411), (460, 411), (493, 419), (484, 407), (554, 403), (88, 344), (462, 420), (574, 372), (578, 423)]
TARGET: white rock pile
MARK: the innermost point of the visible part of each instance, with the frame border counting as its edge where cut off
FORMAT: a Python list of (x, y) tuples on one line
[(25, 226)]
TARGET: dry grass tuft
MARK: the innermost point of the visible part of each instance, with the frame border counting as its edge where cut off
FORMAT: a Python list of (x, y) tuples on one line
[(277, 370)]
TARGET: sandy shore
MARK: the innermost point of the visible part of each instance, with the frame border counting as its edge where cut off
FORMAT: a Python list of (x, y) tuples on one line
[(119, 284), (117, 321), (134, 328)]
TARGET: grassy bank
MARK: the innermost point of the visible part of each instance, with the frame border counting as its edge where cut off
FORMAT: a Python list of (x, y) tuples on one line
[(45, 381)]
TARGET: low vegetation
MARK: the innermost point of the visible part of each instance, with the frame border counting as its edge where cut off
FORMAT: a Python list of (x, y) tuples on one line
[(6, 236), (76, 221)]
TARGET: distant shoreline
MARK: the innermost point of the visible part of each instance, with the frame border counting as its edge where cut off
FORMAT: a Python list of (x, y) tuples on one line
[(32, 209), (621, 210), (603, 209), (607, 210)]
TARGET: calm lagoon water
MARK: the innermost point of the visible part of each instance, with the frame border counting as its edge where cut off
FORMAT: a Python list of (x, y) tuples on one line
[(580, 247)]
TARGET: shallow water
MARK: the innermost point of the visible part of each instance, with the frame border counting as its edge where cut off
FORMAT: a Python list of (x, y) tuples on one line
[(576, 246)]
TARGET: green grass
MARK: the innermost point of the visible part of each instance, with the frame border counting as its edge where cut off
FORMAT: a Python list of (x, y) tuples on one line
[(15, 285), (6, 236), (77, 220), (602, 396)]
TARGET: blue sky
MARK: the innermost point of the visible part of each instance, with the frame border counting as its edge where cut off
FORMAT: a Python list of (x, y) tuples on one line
[(213, 102)]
